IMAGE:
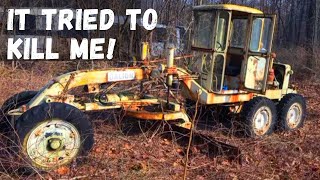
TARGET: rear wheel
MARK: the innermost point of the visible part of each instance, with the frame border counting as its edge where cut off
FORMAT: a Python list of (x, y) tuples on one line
[(13, 102), (53, 135), (291, 112), (258, 117)]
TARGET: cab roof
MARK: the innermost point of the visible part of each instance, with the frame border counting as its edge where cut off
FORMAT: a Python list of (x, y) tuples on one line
[(231, 7)]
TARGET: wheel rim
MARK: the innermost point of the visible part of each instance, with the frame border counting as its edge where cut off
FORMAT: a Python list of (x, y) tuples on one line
[(262, 120), (52, 143), (294, 115)]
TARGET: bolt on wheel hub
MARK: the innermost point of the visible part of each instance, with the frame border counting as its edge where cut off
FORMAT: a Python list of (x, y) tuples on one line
[(55, 143), (52, 143)]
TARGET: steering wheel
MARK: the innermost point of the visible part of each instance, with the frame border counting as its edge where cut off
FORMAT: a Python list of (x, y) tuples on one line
[(219, 46)]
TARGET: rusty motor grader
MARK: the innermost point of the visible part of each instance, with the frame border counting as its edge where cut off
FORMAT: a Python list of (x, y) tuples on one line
[(232, 66)]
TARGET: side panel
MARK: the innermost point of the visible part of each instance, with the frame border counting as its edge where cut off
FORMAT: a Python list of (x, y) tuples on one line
[(255, 75)]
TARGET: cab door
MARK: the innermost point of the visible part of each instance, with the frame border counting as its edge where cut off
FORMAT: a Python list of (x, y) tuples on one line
[(210, 42), (220, 50), (258, 53), (216, 68)]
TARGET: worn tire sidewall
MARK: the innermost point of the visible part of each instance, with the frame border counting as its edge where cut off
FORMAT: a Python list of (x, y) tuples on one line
[(11, 103)]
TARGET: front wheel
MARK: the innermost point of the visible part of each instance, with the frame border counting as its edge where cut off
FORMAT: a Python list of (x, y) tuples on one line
[(259, 117), (53, 135)]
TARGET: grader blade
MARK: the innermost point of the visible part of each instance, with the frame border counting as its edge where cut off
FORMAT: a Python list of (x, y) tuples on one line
[(205, 143)]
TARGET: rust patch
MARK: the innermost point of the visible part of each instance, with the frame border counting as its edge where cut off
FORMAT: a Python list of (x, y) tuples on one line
[(172, 71)]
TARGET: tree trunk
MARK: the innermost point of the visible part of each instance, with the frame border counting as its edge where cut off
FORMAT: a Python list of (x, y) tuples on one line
[(312, 32)]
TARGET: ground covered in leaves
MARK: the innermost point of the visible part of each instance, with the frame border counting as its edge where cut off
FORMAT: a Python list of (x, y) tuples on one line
[(138, 150)]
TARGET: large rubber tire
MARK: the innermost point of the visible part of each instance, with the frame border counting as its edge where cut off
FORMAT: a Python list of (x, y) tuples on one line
[(291, 112), (13, 102), (258, 117), (36, 116)]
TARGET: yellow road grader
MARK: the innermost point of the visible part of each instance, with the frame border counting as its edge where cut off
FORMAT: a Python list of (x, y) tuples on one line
[(232, 66)]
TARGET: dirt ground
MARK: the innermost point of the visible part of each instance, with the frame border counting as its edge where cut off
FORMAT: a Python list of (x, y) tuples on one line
[(133, 150)]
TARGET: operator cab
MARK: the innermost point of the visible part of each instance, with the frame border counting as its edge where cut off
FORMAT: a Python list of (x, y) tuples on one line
[(232, 47)]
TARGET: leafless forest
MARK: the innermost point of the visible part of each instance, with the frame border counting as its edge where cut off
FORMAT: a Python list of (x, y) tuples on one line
[(133, 149)]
